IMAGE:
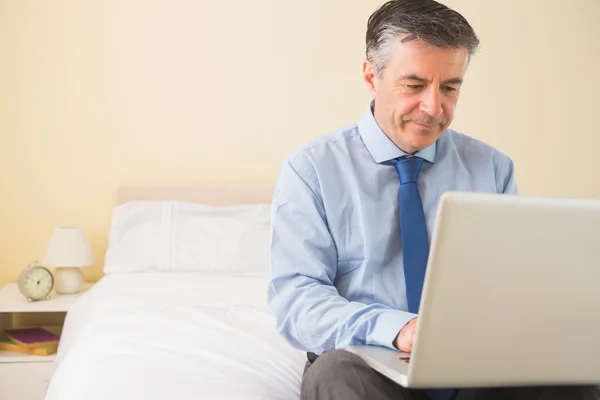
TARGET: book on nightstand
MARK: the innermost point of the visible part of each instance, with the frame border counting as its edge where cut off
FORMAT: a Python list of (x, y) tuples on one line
[(30, 338), (36, 341), (9, 345)]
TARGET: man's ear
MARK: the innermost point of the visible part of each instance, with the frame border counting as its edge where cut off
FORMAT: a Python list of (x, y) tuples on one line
[(370, 77)]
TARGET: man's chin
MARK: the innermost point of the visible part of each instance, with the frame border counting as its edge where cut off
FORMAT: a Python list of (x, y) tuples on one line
[(412, 140), (421, 140)]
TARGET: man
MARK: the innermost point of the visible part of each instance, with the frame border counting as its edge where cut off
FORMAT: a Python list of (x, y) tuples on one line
[(353, 211)]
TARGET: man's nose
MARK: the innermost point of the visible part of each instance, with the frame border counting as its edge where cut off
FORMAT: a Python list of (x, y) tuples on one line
[(430, 102)]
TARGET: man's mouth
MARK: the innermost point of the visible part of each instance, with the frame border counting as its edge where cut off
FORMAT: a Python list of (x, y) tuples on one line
[(424, 124)]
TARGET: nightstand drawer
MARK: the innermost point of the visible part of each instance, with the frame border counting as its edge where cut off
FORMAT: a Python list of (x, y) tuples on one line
[(25, 380)]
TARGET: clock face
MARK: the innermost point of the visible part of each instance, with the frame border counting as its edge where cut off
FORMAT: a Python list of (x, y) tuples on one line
[(38, 283)]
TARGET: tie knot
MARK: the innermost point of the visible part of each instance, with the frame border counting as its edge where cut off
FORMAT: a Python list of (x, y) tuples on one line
[(409, 168)]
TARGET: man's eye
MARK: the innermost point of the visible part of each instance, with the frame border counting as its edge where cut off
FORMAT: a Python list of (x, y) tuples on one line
[(414, 87), (449, 89)]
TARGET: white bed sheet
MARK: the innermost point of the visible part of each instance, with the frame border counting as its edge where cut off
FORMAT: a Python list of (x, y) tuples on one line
[(174, 336)]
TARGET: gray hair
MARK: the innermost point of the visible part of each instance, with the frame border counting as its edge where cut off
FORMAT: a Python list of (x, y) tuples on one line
[(426, 20)]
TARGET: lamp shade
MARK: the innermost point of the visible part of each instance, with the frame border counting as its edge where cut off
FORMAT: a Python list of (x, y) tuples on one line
[(68, 247)]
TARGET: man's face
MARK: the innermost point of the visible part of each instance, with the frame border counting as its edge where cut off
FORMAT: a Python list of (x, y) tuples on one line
[(417, 92)]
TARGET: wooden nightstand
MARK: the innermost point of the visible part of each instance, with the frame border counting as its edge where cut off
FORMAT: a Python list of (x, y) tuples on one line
[(24, 376)]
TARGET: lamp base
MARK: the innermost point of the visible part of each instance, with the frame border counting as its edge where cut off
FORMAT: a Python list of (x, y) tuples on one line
[(68, 280)]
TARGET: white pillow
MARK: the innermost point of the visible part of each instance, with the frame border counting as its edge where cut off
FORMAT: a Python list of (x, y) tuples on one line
[(173, 236)]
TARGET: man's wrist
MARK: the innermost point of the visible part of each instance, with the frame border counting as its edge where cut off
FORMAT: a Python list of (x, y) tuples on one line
[(387, 326), (400, 331)]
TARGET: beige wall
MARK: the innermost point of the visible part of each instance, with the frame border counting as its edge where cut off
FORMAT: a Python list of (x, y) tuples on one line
[(98, 94)]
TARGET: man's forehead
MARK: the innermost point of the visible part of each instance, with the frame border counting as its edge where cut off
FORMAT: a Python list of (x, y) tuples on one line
[(416, 58), (451, 80)]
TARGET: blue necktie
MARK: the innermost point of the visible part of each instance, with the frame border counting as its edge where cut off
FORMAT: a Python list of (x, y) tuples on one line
[(413, 231), (415, 243)]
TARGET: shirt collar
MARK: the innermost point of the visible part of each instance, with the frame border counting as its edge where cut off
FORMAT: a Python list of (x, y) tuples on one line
[(380, 146)]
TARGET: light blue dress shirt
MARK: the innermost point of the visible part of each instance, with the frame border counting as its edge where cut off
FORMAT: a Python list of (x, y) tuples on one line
[(336, 256)]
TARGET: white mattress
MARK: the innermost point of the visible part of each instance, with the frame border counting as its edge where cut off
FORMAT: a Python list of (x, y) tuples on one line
[(174, 335)]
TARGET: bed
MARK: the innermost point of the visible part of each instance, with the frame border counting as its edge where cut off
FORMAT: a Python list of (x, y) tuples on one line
[(181, 310)]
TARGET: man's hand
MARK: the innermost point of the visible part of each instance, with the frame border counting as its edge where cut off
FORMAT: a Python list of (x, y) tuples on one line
[(404, 340)]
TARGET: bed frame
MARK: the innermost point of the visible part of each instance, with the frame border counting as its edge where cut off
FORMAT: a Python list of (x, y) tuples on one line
[(216, 195)]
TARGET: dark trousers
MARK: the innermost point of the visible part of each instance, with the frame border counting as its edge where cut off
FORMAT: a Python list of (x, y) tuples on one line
[(340, 375)]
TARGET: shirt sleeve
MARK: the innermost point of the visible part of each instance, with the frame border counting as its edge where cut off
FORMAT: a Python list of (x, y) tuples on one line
[(310, 314), (505, 177)]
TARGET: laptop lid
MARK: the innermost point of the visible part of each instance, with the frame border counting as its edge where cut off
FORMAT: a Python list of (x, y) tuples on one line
[(512, 294)]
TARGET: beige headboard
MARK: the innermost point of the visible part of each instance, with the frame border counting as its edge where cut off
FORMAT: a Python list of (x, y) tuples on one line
[(216, 195)]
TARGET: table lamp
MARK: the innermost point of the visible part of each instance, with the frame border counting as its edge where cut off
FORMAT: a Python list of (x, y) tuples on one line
[(68, 250)]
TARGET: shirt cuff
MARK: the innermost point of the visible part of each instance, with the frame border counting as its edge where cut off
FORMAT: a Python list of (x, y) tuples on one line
[(386, 327)]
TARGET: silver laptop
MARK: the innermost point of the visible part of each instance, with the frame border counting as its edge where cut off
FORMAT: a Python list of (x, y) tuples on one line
[(511, 296)]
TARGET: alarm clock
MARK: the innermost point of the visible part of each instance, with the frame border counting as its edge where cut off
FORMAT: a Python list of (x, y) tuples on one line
[(36, 282)]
